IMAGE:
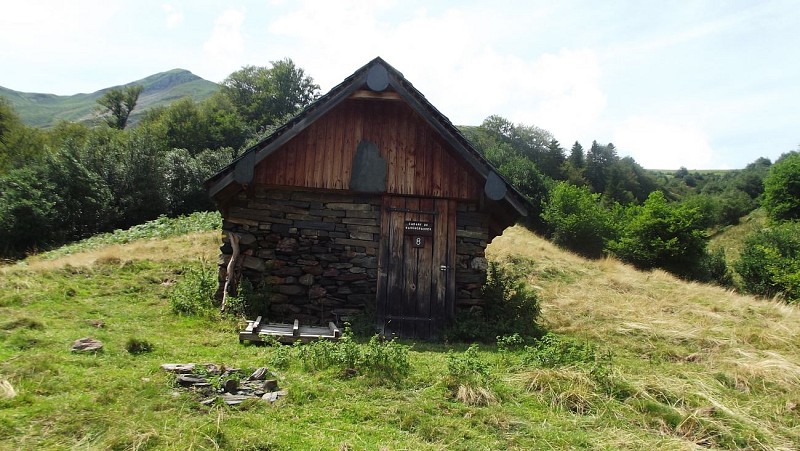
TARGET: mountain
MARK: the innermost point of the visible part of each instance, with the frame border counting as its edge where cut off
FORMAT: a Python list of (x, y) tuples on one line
[(45, 110)]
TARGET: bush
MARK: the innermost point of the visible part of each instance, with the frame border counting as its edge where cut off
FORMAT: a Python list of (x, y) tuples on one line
[(769, 263), (782, 188), (385, 360), (193, 292), (714, 268), (577, 221), (509, 307), (663, 235)]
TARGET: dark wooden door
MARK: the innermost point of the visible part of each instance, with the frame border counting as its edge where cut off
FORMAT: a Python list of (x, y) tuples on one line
[(416, 283)]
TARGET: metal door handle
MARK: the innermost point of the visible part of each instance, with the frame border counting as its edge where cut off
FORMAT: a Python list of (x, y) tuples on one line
[(444, 268)]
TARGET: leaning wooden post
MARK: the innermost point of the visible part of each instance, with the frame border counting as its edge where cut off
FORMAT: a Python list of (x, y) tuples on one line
[(231, 268)]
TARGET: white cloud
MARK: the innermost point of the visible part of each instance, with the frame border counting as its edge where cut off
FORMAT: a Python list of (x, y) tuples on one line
[(459, 58), (174, 16), (224, 50), (656, 144)]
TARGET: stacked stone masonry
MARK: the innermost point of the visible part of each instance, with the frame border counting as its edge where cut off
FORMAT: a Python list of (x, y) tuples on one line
[(316, 253)]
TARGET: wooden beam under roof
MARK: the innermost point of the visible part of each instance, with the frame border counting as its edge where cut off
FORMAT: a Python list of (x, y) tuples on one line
[(372, 95)]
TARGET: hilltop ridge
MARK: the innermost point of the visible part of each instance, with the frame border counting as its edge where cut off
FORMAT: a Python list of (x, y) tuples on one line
[(46, 110)]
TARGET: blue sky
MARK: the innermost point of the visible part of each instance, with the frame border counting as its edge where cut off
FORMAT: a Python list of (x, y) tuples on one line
[(701, 84)]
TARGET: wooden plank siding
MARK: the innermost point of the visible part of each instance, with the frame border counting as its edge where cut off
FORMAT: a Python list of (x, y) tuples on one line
[(419, 162)]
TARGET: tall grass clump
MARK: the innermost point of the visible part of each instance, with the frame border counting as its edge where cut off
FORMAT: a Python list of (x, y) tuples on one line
[(469, 377), (192, 293)]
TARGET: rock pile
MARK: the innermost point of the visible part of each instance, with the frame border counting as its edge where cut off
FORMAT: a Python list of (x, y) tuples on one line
[(229, 385)]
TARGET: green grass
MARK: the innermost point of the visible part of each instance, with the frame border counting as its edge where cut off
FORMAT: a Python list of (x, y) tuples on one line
[(636, 361)]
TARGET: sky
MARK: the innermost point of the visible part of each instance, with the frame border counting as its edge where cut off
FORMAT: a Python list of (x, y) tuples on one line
[(692, 83)]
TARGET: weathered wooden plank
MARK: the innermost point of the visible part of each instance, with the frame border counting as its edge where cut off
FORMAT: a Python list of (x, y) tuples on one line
[(340, 153), (410, 268), (395, 281), (451, 258), (352, 136), (425, 269), (439, 280), (363, 94), (384, 264), (334, 330), (331, 155)]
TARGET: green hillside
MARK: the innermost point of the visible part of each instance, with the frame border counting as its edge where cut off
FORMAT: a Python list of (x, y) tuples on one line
[(636, 360), (45, 110)]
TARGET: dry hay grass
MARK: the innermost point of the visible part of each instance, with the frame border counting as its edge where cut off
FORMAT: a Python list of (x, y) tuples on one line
[(475, 395), (608, 300), (566, 388), (192, 246), (6, 389)]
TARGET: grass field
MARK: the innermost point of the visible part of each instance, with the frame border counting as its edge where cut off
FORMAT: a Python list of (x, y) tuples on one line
[(637, 361)]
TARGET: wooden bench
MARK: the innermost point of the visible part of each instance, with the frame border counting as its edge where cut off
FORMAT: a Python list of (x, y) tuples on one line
[(259, 332)]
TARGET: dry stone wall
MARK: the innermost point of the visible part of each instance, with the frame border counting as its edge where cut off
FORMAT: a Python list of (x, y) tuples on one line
[(472, 235), (314, 252)]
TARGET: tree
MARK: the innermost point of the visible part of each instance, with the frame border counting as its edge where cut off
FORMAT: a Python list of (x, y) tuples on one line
[(576, 156), (19, 145), (662, 235), (118, 104), (782, 188), (577, 220), (263, 96), (769, 263)]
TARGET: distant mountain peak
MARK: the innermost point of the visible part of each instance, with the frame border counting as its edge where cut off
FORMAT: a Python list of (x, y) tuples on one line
[(160, 89)]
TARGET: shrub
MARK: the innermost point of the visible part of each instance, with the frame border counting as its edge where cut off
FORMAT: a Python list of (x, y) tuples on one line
[(577, 221), (509, 307), (662, 235), (769, 263), (511, 342), (714, 268), (380, 359), (782, 188), (192, 293)]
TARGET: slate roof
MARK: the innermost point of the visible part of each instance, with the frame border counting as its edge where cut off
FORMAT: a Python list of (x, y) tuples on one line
[(240, 170)]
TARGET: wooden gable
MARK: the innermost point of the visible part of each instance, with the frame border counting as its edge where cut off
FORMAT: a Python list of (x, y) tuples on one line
[(419, 162)]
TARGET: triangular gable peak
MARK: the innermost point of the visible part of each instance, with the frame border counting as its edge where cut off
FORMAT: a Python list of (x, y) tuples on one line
[(374, 132)]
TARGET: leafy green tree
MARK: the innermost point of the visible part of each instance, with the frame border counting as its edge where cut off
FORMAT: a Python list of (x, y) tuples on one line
[(184, 174), (27, 212), (769, 263), (525, 176), (118, 104), (577, 220), (782, 188), (263, 96), (51, 203), (19, 145), (662, 235)]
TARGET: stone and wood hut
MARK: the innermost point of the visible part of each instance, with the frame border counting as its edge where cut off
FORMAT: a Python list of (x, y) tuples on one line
[(368, 202)]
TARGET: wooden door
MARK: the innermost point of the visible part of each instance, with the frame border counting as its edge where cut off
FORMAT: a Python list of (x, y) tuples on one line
[(416, 279)]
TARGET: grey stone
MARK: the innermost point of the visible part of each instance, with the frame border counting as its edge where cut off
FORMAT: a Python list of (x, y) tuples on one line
[(87, 344)]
